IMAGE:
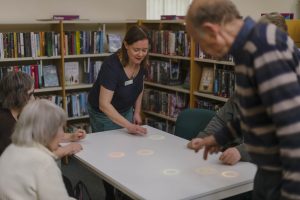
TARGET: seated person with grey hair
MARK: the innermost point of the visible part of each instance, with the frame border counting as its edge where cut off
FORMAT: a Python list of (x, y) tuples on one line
[(27, 166)]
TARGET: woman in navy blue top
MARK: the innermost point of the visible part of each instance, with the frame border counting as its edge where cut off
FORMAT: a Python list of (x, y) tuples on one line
[(116, 97)]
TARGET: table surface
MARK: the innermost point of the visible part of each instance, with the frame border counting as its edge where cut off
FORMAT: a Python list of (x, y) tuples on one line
[(159, 166)]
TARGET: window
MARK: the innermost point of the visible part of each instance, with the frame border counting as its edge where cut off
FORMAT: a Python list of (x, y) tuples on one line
[(156, 8)]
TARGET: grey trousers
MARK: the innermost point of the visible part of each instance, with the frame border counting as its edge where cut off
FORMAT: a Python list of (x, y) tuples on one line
[(100, 122), (267, 185)]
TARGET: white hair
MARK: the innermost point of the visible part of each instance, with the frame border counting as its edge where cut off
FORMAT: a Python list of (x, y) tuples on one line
[(38, 123)]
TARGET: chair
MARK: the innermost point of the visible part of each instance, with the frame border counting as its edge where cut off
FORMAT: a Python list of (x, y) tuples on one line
[(191, 121)]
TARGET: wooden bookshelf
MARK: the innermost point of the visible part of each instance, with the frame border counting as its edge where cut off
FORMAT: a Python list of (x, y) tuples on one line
[(178, 88), (160, 116), (61, 28)]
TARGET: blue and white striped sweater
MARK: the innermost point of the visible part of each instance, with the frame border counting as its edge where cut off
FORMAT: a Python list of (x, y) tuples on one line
[(268, 90)]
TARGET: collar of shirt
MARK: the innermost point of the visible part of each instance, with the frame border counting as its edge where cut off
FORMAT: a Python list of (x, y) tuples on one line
[(242, 36)]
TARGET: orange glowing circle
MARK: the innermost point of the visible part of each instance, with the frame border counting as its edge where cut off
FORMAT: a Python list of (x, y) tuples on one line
[(230, 174), (145, 152), (116, 154)]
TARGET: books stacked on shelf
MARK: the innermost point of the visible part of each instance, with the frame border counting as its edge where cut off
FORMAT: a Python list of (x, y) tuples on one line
[(168, 104), (29, 44), (56, 99), (161, 125), (71, 128), (91, 70), (72, 73), (224, 81), (44, 76), (114, 42), (175, 43), (77, 104), (65, 17), (172, 17), (83, 42), (168, 73), (208, 104)]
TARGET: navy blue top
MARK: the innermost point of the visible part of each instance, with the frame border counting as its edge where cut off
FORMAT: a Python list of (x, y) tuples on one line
[(113, 77)]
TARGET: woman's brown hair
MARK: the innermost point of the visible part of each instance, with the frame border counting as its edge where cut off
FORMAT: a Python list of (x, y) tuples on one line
[(14, 89), (134, 34)]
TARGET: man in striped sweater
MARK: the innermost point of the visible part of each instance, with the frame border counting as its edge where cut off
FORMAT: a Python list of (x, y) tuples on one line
[(268, 92)]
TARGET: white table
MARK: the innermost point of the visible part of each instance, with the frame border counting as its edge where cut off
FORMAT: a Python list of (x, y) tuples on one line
[(160, 167)]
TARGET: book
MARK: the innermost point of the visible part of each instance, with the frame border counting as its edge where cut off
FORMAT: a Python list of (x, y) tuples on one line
[(207, 80), (114, 42), (65, 17), (71, 73), (50, 76)]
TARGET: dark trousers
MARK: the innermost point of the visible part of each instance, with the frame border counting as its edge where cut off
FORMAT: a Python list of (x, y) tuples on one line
[(267, 185)]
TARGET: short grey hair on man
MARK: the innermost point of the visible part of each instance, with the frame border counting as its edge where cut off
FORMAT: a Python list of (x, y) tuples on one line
[(214, 11), (38, 123)]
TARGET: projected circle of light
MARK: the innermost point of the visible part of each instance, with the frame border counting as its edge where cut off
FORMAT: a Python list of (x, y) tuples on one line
[(117, 154), (171, 172), (230, 174), (156, 137), (206, 171), (145, 152)]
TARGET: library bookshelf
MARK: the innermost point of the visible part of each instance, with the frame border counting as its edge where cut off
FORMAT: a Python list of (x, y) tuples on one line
[(30, 46), (161, 114)]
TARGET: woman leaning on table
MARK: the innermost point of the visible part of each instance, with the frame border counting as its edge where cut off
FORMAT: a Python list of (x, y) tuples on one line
[(116, 96), (27, 166)]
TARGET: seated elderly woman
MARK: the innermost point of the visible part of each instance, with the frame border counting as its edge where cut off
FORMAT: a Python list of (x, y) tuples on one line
[(27, 166)]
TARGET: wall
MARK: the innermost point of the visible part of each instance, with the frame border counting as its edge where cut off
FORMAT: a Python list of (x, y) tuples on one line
[(120, 9), (11, 10), (254, 8)]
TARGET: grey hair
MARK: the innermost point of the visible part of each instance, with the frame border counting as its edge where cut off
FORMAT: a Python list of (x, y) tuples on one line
[(214, 11), (38, 123)]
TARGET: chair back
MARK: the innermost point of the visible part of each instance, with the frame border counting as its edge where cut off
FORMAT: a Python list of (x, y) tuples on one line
[(191, 121)]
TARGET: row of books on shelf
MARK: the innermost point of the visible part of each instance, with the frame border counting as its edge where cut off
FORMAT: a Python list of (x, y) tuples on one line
[(29, 44), (37, 44), (170, 42), (168, 104), (47, 76), (219, 81), (84, 42), (160, 124), (75, 73), (77, 104), (44, 76), (200, 54), (165, 72)]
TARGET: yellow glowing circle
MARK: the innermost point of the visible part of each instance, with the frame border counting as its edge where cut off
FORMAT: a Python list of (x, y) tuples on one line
[(116, 154), (206, 171), (171, 172), (145, 152), (157, 137), (230, 174)]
